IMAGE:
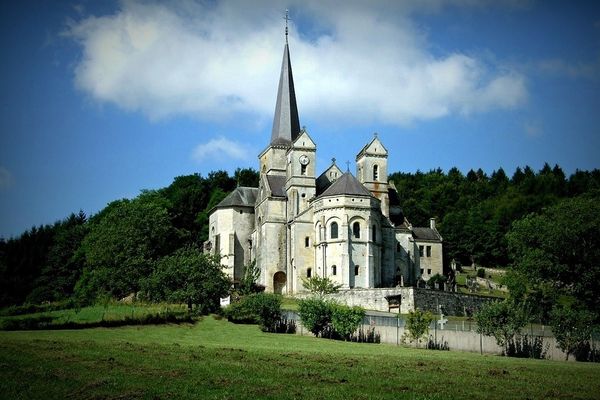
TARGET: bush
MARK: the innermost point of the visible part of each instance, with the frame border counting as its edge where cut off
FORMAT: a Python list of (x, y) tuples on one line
[(526, 347), (329, 319), (346, 320), (417, 325), (502, 320), (315, 315), (261, 308)]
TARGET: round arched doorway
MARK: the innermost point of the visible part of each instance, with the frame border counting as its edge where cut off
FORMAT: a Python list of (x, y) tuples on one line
[(279, 281)]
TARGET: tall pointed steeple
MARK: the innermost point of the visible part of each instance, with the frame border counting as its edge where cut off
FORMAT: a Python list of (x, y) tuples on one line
[(286, 124)]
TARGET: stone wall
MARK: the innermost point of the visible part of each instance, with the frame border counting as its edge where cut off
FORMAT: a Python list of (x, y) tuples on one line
[(411, 298), (452, 303)]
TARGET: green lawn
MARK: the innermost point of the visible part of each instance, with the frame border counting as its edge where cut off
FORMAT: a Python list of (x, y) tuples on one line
[(214, 359)]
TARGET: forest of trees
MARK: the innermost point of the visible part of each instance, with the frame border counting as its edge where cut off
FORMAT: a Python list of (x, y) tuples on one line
[(133, 245)]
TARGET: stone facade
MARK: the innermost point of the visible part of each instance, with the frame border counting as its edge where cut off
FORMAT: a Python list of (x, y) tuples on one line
[(298, 224)]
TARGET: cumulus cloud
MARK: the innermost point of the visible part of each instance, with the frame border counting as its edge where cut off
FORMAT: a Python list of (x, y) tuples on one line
[(6, 178), (214, 60), (217, 149)]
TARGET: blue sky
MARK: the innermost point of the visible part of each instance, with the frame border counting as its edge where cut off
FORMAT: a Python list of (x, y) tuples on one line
[(101, 99)]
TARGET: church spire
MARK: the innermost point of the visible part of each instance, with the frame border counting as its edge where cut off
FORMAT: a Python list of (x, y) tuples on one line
[(286, 124)]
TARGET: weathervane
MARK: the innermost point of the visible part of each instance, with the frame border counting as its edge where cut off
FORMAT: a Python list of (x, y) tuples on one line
[(287, 18)]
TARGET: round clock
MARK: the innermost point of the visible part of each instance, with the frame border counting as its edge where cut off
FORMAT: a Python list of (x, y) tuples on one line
[(304, 160)]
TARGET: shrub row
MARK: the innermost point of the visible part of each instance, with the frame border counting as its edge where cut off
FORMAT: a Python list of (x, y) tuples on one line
[(47, 322), (37, 308)]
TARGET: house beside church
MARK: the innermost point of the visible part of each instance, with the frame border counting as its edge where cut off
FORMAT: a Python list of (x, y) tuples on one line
[(300, 223)]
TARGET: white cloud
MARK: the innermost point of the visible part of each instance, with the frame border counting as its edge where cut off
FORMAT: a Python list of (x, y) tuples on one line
[(365, 62), (220, 148), (6, 178)]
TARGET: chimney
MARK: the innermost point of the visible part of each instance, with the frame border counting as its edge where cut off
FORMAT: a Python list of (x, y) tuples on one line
[(432, 223)]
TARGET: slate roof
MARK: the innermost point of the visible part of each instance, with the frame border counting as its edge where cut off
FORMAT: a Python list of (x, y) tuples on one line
[(347, 184), (426, 234), (240, 197), (277, 185), (286, 124)]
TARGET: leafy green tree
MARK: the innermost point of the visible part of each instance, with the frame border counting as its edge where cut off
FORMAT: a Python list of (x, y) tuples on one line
[(64, 261), (560, 248), (502, 320), (320, 286), (190, 277), (417, 325), (572, 327), (247, 177), (315, 315), (345, 320), (248, 283), (123, 242)]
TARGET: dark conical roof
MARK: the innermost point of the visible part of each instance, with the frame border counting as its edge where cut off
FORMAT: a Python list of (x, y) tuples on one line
[(346, 185), (286, 124)]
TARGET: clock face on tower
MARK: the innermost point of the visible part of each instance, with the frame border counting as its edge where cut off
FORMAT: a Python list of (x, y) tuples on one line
[(304, 160)]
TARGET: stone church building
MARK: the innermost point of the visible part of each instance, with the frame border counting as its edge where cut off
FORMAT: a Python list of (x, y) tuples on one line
[(298, 223)]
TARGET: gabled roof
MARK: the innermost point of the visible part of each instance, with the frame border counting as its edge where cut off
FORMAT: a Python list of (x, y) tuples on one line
[(276, 185), (426, 234), (286, 124), (240, 197), (326, 179), (347, 184), (374, 147)]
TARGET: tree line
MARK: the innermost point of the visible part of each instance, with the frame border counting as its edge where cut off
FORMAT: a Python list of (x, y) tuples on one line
[(475, 211), (542, 224), (127, 247)]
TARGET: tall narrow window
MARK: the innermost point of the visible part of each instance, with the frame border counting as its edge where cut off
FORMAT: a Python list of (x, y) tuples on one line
[(302, 169), (421, 248), (356, 230), (375, 172), (428, 251), (306, 241), (356, 269), (334, 230), (374, 229), (309, 272), (333, 270)]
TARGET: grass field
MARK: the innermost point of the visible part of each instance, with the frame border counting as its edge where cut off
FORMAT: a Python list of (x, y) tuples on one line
[(214, 359)]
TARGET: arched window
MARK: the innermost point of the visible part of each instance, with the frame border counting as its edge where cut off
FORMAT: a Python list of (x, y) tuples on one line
[(375, 172), (334, 230), (333, 270), (309, 272), (356, 229)]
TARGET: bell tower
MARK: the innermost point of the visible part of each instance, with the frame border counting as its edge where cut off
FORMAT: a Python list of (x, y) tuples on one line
[(371, 170)]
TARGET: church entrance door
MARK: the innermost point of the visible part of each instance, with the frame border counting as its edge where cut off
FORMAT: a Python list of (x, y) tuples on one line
[(279, 281)]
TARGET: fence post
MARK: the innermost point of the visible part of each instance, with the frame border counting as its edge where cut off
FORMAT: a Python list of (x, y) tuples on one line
[(397, 331), (480, 343)]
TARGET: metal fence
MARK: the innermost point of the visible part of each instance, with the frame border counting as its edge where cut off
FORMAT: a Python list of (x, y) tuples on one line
[(399, 321)]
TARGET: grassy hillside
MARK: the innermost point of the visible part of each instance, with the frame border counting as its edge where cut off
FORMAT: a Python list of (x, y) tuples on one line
[(214, 359)]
